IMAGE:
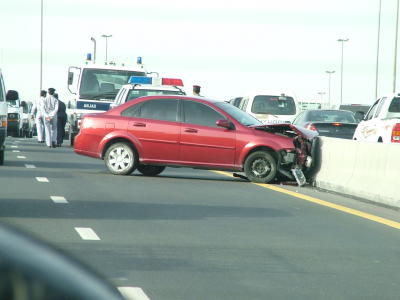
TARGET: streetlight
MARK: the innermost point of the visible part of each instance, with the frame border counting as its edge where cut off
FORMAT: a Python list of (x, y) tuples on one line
[(341, 70), (377, 50), (329, 87), (41, 44), (94, 49), (395, 49), (106, 37), (322, 95)]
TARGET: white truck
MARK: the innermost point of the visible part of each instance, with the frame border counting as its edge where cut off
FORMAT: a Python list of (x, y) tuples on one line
[(382, 122), (95, 87), (3, 119)]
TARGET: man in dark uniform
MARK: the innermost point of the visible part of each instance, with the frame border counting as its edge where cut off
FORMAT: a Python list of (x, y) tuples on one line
[(61, 120)]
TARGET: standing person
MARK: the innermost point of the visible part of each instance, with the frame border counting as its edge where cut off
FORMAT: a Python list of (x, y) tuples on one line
[(49, 110), (61, 120), (37, 114), (196, 90)]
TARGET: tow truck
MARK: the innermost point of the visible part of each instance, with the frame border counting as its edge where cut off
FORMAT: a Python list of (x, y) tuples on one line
[(95, 87), (140, 86)]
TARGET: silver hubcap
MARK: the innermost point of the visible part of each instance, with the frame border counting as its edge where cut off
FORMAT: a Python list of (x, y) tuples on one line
[(261, 167), (120, 159)]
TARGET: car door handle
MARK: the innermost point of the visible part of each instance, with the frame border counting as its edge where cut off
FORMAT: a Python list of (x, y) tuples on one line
[(139, 124), (191, 130)]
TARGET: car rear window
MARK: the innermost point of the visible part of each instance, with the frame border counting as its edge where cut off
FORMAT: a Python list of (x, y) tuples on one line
[(331, 116), (395, 106), (275, 105)]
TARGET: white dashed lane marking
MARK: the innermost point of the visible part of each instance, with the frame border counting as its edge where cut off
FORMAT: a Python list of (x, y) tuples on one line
[(58, 199), (87, 233), (30, 166), (16, 151), (14, 147), (42, 179), (132, 293), (21, 157)]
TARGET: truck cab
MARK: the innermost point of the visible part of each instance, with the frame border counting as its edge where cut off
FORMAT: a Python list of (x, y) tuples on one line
[(139, 86), (95, 87), (268, 107)]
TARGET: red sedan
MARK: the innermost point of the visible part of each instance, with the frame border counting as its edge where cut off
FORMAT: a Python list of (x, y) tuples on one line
[(150, 133)]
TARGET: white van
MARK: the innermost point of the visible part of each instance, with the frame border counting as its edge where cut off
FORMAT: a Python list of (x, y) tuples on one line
[(269, 108)]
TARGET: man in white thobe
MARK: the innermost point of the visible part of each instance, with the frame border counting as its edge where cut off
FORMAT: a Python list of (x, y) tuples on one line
[(36, 113), (49, 111)]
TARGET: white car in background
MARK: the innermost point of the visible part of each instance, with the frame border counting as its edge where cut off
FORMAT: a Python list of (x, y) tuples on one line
[(382, 122)]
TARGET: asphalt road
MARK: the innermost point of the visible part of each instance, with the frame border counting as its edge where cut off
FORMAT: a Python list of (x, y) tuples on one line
[(194, 234)]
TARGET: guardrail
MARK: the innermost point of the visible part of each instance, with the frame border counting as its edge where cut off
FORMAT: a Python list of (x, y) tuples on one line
[(361, 169)]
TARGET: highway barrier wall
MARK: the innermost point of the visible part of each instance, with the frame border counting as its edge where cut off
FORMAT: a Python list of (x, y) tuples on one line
[(361, 169)]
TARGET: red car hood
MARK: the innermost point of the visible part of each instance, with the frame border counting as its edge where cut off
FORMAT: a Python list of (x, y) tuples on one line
[(303, 132)]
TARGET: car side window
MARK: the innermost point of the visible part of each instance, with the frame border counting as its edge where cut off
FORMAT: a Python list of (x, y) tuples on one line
[(158, 109), (379, 108), (371, 111), (200, 114)]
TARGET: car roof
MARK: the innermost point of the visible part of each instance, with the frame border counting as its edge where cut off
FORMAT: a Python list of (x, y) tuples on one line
[(152, 87)]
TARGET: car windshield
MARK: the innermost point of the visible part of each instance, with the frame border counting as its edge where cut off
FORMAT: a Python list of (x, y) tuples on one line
[(99, 84), (238, 114), (275, 105), (136, 93), (331, 116)]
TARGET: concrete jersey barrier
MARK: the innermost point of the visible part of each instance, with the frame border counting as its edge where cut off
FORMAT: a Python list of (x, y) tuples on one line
[(362, 169)]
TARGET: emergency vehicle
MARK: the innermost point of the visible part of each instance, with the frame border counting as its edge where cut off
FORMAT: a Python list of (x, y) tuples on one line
[(382, 122), (3, 119), (95, 87), (140, 86), (269, 107)]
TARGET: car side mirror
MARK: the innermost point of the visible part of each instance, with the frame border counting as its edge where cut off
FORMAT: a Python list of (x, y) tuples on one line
[(12, 95), (31, 269), (225, 124)]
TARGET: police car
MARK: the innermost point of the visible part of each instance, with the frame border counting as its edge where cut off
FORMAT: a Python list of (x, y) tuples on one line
[(140, 86)]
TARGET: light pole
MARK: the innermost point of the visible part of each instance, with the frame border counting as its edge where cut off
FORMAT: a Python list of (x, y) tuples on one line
[(395, 49), (322, 95), (377, 50), (106, 37), (94, 49), (41, 44), (341, 71), (329, 86)]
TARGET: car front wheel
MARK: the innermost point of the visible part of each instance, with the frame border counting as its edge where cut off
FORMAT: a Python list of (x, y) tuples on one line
[(260, 167), (149, 170), (120, 159)]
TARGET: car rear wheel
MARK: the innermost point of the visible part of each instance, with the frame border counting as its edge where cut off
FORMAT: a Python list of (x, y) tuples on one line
[(120, 159), (260, 167), (149, 170)]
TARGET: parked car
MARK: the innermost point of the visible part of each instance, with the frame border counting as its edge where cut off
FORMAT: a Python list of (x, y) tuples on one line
[(150, 133), (332, 123)]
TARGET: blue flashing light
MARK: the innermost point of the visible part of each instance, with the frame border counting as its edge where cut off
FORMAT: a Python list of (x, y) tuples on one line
[(89, 56), (139, 60), (140, 80)]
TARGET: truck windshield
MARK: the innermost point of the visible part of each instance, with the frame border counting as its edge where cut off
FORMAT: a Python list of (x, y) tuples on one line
[(133, 94), (101, 84), (275, 105)]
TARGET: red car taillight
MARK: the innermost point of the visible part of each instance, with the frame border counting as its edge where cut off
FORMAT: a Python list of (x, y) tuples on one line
[(396, 133), (310, 126)]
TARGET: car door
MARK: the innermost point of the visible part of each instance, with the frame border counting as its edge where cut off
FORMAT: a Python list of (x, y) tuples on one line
[(154, 123), (367, 129), (202, 141)]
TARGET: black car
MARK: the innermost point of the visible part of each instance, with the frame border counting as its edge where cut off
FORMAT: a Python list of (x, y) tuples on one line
[(331, 123)]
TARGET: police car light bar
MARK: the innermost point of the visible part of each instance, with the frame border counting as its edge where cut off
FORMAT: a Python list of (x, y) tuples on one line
[(155, 81)]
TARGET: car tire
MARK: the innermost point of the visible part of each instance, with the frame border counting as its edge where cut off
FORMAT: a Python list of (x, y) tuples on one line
[(149, 170), (260, 167), (1, 157), (121, 159)]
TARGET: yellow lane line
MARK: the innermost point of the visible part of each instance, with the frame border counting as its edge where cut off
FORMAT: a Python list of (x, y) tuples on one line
[(342, 208)]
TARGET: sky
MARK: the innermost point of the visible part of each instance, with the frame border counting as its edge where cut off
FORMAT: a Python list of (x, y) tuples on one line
[(229, 48)]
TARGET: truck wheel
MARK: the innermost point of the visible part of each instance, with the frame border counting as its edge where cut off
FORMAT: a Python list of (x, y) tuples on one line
[(149, 170), (1, 157), (121, 159), (260, 167)]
